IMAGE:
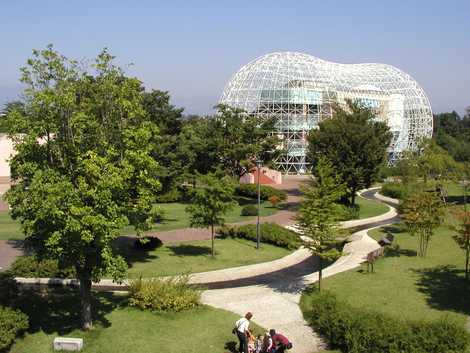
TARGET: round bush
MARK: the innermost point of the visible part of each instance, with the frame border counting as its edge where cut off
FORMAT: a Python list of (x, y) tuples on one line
[(12, 323), (249, 210), (147, 243)]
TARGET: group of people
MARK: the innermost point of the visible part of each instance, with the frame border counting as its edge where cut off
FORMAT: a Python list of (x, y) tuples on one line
[(270, 342)]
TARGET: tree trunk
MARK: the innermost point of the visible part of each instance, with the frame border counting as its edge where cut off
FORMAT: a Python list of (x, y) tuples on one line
[(467, 263), (320, 275), (85, 296), (353, 197), (212, 239)]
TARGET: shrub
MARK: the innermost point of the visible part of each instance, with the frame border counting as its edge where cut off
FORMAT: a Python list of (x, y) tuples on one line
[(173, 195), (249, 210), (8, 288), (351, 212), (251, 190), (361, 331), (395, 190), (172, 294), (12, 323), (274, 200), (147, 243), (31, 266), (271, 233)]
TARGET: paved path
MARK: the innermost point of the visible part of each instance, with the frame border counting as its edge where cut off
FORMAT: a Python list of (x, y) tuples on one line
[(274, 298)]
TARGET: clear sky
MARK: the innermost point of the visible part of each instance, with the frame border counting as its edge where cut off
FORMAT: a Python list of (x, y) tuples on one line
[(192, 48)]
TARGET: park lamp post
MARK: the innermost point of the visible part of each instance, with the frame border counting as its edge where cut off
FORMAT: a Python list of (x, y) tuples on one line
[(258, 233)]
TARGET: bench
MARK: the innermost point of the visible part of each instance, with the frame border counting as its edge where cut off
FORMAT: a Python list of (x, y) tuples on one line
[(386, 240)]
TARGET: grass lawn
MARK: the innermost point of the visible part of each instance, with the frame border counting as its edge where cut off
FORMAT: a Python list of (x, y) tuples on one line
[(407, 286), (122, 329), (368, 208), (196, 256), (175, 217), (9, 229)]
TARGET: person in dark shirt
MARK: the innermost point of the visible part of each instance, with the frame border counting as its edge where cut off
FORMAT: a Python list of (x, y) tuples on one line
[(280, 342)]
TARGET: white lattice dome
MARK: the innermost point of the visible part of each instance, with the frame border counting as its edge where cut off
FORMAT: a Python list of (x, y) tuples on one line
[(300, 90)]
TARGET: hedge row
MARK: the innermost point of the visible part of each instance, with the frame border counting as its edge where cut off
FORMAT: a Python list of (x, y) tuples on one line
[(271, 233), (251, 190), (395, 190), (355, 330), (12, 323), (30, 266), (155, 294)]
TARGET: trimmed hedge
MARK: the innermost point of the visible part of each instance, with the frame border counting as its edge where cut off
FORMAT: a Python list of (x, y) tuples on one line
[(30, 266), (12, 323), (251, 190), (395, 190), (249, 210), (172, 294), (271, 233), (354, 330)]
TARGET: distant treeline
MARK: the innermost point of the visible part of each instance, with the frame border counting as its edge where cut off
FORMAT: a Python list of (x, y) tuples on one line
[(452, 132)]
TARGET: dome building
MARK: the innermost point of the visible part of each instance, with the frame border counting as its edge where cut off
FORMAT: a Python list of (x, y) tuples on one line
[(301, 90)]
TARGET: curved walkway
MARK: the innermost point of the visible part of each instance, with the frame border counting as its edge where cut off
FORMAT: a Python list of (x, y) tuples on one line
[(274, 298), (272, 290)]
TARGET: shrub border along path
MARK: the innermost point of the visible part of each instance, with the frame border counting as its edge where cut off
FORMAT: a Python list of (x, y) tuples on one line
[(272, 290)]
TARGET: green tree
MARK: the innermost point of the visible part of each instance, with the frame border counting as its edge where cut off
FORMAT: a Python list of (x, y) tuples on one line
[(355, 143), (320, 212), (240, 139), (165, 147), (210, 202), (462, 237), (422, 212), (83, 167)]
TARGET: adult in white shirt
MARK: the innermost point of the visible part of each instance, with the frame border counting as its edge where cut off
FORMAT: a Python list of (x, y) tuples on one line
[(242, 332)]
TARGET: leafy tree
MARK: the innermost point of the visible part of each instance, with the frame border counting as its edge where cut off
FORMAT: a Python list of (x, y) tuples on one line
[(165, 147), (240, 139), (9, 107), (320, 212), (355, 143), (462, 237), (210, 202), (83, 167), (430, 165), (422, 212), (452, 133)]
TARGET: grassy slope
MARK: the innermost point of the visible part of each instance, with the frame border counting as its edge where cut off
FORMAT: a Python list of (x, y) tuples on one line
[(407, 286), (121, 329), (368, 208), (175, 217), (196, 257)]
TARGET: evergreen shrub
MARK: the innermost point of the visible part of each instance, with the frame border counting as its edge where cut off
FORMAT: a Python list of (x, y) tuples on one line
[(249, 210), (354, 330), (271, 233), (174, 294)]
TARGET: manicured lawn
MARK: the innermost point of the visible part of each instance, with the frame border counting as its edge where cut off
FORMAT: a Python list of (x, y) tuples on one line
[(121, 329), (196, 256), (407, 286), (368, 208), (9, 229), (175, 217)]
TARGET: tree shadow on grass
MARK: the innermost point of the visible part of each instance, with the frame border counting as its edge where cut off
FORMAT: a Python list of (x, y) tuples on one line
[(189, 250), (445, 288), (125, 246), (396, 251), (58, 310)]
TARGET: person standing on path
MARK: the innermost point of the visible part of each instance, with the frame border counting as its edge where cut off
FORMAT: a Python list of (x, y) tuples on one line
[(241, 327)]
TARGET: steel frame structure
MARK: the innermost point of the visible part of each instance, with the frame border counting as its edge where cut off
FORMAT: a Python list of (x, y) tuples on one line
[(300, 90)]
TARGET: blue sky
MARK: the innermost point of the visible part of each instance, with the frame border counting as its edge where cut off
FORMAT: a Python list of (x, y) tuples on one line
[(191, 48)]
